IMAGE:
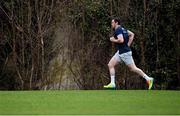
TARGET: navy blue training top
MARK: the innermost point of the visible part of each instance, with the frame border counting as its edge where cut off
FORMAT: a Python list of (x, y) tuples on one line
[(122, 47)]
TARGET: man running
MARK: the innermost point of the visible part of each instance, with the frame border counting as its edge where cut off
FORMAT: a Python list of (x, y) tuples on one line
[(123, 39)]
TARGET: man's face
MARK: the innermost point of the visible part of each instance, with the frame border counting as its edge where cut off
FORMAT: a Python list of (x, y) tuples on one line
[(113, 24)]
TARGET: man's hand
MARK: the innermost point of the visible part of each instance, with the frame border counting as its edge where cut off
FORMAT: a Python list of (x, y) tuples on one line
[(112, 39), (118, 40)]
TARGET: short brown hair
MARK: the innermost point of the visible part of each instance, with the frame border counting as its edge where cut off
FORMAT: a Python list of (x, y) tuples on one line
[(116, 20)]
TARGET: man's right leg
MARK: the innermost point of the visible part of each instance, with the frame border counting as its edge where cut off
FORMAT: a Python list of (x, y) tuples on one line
[(111, 65)]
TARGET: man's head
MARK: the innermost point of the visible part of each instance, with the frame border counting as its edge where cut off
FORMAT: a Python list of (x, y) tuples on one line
[(115, 22)]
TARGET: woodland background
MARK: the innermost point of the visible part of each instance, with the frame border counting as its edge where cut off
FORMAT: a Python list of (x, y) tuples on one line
[(64, 44)]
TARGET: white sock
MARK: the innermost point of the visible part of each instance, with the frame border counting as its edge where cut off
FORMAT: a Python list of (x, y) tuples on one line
[(146, 77), (113, 79)]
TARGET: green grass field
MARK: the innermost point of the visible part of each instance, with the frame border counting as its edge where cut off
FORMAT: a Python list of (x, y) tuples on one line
[(90, 102)]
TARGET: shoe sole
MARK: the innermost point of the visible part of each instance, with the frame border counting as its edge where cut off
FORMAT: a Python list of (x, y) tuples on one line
[(110, 88)]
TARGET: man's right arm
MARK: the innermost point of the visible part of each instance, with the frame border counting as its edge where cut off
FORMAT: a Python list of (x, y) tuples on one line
[(131, 37)]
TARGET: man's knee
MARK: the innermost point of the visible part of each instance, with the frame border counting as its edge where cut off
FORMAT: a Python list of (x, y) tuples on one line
[(110, 65)]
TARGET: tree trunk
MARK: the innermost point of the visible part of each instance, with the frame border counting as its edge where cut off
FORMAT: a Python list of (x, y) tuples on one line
[(177, 50), (143, 37), (157, 37)]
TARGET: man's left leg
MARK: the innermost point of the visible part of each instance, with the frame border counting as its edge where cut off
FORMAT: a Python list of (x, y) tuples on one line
[(138, 71), (128, 60)]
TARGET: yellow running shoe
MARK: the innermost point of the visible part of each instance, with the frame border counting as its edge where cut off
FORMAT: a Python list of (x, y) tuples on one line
[(150, 83), (110, 86)]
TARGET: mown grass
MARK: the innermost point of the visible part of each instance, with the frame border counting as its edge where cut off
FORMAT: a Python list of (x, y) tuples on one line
[(92, 102)]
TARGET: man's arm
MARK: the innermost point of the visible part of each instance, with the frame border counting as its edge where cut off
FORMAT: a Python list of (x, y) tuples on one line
[(131, 37), (119, 39)]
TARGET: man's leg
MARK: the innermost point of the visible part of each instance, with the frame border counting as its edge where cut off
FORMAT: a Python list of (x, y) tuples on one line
[(111, 65), (128, 60), (138, 71)]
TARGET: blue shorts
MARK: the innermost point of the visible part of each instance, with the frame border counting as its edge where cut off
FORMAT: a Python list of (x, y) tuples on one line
[(125, 57)]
